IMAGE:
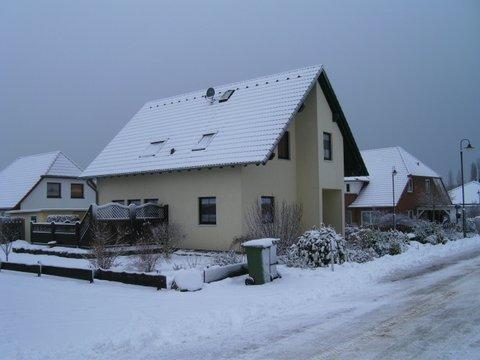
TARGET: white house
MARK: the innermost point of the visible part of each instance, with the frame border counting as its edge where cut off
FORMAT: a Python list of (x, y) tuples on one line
[(36, 186)]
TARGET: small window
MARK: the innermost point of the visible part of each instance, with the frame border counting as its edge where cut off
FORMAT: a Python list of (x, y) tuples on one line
[(134, 202), (367, 218), (204, 142), (207, 210), (284, 146), (327, 146), (226, 95), (349, 217), (411, 214), (347, 188), (150, 201), (427, 186), (410, 185), (33, 219), (76, 191), (122, 202), (54, 190), (153, 148), (268, 208)]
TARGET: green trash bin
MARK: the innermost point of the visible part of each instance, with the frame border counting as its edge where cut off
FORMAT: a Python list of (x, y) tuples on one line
[(262, 261)]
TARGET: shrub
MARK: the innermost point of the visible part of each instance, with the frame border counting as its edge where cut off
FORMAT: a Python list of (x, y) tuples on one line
[(403, 223), (477, 223), (104, 239), (390, 242), (227, 258), (429, 232), (69, 219), (285, 225), (316, 248)]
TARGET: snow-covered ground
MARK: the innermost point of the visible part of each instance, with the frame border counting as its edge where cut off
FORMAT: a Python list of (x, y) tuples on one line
[(423, 303)]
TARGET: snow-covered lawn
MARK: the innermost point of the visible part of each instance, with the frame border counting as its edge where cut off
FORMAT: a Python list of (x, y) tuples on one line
[(56, 318)]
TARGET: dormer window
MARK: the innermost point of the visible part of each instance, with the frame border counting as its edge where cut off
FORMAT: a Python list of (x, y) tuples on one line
[(153, 148), (204, 141)]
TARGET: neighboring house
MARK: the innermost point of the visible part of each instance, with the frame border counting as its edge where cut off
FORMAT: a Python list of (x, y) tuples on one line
[(277, 138), (419, 191), (36, 186), (472, 194)]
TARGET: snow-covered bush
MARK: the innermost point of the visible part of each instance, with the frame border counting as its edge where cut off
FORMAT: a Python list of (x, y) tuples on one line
[(69, 219), (470, 225), (365, 244), (317, 247), (227, 258), (402, 222), (429, 232), (477, 223)]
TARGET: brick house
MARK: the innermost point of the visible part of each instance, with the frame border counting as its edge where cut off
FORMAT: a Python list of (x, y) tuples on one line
[(419, 191)]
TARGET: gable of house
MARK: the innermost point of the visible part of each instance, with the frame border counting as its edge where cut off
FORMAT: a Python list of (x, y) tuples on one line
[(192, 131)]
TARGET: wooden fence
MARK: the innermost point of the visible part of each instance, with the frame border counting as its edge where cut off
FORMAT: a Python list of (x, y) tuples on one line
[(130, 219)]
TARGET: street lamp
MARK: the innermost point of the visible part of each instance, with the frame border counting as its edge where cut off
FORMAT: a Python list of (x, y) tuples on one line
[(394, 172), (464, 145)]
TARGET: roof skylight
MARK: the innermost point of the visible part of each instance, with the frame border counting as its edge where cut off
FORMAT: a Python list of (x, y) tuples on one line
[(205, 140), (226, 95), (153, 148)]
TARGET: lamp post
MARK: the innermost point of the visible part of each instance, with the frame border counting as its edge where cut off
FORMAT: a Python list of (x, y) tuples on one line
[(394, 172), (464, 145)]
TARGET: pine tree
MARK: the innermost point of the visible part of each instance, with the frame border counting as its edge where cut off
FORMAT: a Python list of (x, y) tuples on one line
[(473, 172)]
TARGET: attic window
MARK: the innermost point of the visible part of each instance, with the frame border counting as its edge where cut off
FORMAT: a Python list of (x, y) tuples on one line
[(153, 148), (226, 95), (204, 142)]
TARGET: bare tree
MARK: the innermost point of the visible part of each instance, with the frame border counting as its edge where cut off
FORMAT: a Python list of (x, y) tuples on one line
[(282, 222), (8, 234), (473, 172), (155, 242), (104, 240)]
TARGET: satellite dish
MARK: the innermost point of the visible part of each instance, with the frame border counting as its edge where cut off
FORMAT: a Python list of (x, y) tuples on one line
[(210, 92)]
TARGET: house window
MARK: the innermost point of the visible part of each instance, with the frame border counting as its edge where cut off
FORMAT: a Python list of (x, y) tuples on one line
[(205, 140), (76, 191), (427, 186), (284, 146), (153, 148), (207, 207), (349, 217), (121, 202), (54, 190), (268, 208), (411, 214), (347, 188), (33, 218), (327, 146), (150, 201), (367, 218), (136, 202), (226, 95), (410, 185)]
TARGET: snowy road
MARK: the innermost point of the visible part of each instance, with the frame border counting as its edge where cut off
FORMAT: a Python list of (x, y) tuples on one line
[(421, 304), (431, 312)]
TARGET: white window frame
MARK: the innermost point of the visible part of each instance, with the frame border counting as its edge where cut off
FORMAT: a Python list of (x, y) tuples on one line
[(365, 212), (410, 185), (204, 141), (411, 214), (428, 186), (347, 188)]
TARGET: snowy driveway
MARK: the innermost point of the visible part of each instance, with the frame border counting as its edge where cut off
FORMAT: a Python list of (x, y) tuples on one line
[(421, 304)]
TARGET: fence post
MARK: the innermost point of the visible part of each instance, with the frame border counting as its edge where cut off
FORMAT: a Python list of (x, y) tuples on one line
[(39, 269), (165, 210), (31, 231), (52, 230)]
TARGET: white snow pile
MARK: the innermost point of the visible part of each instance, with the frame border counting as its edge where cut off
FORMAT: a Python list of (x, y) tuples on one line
[(316, 248), (188, 280)]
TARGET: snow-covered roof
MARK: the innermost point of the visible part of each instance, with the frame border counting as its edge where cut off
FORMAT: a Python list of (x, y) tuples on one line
[(245, 128), (17, 179), (380, 163), (357, 178), (472, 195)]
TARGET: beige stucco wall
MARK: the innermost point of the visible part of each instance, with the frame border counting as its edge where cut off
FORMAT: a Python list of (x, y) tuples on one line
[(301, 179)]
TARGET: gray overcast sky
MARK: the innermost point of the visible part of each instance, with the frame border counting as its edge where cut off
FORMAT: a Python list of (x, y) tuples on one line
[(73, 73)]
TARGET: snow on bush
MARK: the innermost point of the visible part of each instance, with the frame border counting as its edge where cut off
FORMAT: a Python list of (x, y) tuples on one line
[(427, 232), (227, 258), (477, 223), (316, 248), (188, 280), (69, 219), (365, 244)]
